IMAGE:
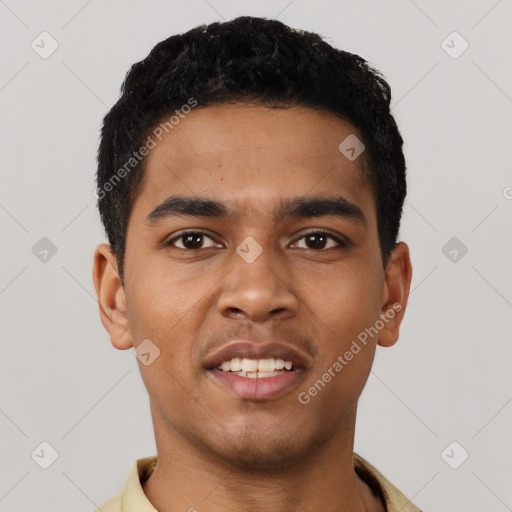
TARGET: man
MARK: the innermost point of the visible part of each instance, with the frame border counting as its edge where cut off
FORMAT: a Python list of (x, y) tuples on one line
[(251, 182)]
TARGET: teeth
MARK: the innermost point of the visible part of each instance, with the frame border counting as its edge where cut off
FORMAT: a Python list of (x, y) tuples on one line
[(253, 366), (266, 365), (266, 374), (225, 366), (249, 365), (236, 364), (257, 375)]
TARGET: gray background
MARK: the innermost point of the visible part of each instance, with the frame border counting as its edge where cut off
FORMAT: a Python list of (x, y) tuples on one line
[(448, 378)]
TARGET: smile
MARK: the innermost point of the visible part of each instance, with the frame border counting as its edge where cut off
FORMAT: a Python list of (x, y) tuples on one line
[(256, 368), (257, 379)]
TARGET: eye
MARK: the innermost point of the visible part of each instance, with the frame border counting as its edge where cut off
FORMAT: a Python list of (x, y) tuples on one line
[(191, 240), (318, 240), (315, 240)]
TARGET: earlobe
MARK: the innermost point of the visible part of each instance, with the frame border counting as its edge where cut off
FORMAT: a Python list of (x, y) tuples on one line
[(111, 297), (395, 294)]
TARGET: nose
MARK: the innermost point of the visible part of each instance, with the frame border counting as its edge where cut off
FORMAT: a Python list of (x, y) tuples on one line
[(258, 291)]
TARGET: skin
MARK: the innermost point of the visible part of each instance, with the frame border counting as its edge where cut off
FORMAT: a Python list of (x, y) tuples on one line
[(217, 451)]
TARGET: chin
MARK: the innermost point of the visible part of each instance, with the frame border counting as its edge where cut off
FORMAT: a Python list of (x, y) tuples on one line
[(261, 452), (250, 458)]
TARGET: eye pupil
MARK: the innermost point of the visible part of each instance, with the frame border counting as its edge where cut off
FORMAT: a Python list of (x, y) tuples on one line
[(191, 241), (320, 236)]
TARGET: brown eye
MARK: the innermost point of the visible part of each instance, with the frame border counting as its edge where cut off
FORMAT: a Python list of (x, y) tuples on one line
[(191, 240), (318, 241)]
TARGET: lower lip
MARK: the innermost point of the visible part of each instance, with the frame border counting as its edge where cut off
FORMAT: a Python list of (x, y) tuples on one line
[(263, 388)]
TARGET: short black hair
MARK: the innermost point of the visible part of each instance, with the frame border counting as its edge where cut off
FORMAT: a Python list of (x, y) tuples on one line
[(251, 60)]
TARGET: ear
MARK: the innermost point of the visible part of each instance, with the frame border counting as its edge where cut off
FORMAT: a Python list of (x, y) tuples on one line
[(111, 297), (395, 293)]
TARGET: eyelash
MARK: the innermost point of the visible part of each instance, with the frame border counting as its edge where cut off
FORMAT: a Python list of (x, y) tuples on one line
[(342, 244)]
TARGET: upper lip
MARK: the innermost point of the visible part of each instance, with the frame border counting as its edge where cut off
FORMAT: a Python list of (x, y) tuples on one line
[(261, 350)]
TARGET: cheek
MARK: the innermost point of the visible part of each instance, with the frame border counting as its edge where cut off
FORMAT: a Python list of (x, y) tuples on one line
[(343, 309), (163, 309), (168, 306), (162, 298), (344, 301)]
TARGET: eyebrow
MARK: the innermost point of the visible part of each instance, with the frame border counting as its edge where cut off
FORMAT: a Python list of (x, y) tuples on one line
[(303, 206)]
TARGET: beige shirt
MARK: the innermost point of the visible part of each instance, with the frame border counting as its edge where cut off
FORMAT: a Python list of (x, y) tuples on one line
[(133, 499)]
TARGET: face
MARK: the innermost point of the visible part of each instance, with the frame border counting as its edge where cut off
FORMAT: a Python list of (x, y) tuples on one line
[(277, 259)]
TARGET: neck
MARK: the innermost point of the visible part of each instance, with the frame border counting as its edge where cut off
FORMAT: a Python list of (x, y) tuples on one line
[(189, 478)]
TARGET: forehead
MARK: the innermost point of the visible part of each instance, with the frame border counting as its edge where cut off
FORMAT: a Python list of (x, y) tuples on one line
[(253, 157)]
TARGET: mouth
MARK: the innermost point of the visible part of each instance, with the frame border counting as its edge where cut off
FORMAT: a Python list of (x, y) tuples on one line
[(257, 372), (256, 368)]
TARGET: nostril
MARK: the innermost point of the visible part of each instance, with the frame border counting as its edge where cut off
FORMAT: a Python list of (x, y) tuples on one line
[(234, 311)]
